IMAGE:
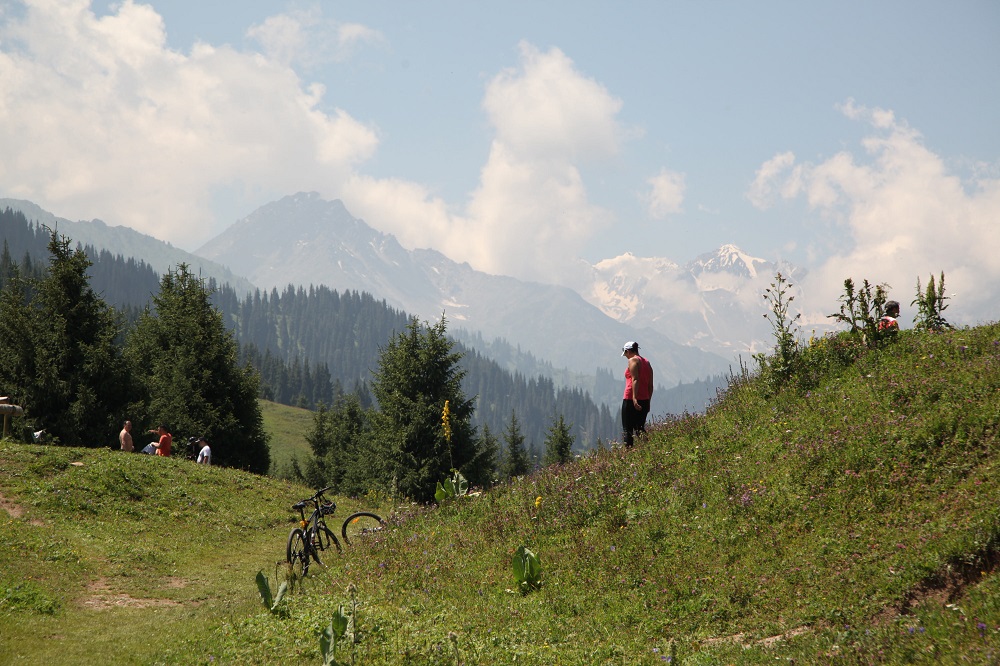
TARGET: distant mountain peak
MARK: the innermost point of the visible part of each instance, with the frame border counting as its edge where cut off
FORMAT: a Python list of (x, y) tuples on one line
[(730, 259)]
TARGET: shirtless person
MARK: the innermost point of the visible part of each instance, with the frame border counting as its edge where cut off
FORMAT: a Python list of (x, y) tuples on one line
[(125, 437)]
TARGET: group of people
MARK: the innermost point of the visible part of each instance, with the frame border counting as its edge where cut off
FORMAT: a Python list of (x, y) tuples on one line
[(635, 402), (162, 446)]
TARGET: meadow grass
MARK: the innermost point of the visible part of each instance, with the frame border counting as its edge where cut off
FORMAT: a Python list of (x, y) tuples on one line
[(286, 427), (847, 515)]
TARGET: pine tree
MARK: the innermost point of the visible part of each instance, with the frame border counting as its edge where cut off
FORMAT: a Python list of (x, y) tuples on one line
[(418, 371), (60, 358), (559, 443), (490, 447), (338, 439), (515, 460), (192, 378)]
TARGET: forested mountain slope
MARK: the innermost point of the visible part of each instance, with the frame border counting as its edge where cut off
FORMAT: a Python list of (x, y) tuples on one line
[(310, 343)]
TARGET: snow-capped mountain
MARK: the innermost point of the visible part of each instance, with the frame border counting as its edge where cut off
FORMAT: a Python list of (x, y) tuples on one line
[(303, 240), (714, 302)]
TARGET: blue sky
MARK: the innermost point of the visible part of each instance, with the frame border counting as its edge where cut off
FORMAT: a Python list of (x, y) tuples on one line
[(524, 136)]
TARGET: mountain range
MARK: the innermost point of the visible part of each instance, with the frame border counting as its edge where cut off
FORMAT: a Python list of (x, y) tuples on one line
[(128, 242), (693, 319), (714, 302), (304, 239)]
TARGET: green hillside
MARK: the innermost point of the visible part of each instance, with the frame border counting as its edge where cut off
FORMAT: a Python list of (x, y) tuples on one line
[(287, 428), (848, 518)]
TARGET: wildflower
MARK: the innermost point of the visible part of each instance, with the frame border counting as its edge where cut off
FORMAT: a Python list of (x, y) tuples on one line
[(538, 501), (446, 421)]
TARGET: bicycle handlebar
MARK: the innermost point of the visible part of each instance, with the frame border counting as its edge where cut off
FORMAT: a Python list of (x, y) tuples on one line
[(311, 500)]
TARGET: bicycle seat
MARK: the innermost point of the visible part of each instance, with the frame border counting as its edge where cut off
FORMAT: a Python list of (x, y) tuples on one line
[(299, 505)]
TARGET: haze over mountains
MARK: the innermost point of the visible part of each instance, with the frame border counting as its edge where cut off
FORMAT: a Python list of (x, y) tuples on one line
[(692, 319), (303, 239), (128, 242)]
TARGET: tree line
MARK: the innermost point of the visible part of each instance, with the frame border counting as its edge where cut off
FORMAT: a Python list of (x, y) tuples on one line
[(182, 390), (422, 430), (311, 343), (80, 370), (342, 336)]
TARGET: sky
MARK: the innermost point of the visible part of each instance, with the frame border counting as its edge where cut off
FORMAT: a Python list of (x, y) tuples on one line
[(854, 139)]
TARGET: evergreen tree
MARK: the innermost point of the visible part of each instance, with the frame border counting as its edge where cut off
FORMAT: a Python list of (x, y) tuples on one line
[(559, 443), (515, 460), (17, 348), (490, 447), (417, 373), (339, 436), (192, 378), (60, 359)]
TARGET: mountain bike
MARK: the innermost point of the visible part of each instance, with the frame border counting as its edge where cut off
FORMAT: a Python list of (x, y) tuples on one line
[(312, 536)]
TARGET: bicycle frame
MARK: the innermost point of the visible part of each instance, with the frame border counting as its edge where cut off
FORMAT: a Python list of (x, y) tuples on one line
[(319, 536)]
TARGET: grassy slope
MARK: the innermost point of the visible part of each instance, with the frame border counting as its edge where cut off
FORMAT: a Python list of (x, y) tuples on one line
[(853, 523), (286, 427)]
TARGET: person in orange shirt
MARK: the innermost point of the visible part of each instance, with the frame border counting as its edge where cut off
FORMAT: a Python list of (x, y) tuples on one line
[(163, 446)]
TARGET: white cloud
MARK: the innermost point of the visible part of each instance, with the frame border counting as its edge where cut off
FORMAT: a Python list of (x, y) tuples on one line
[(306, 37), (906, 216), (99, 117), (666, 194), (546, 110), (530, 214), (761, 193)]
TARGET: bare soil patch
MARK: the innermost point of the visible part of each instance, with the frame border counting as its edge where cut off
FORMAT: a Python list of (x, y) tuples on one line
[(15, 510), (12, 508), (101, 597)]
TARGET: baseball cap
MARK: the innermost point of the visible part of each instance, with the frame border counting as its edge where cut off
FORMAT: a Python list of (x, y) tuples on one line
[(631, 345)]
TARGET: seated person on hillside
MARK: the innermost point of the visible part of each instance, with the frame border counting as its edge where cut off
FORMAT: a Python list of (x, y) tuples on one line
[(888, 323)]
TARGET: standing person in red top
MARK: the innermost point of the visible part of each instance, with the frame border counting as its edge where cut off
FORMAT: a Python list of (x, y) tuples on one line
[(163, 446), (638, 393)]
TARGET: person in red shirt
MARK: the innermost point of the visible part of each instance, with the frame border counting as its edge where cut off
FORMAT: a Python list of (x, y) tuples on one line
[(888, 323), (638, 393), (163, 446)]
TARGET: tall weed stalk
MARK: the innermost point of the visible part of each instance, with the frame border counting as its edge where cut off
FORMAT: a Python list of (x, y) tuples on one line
[(781, 365), (930, 304), (861, 309)]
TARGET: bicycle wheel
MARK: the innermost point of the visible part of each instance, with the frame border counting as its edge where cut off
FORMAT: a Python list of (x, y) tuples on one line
[(322, 539), (359, 525), (297, 553)]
